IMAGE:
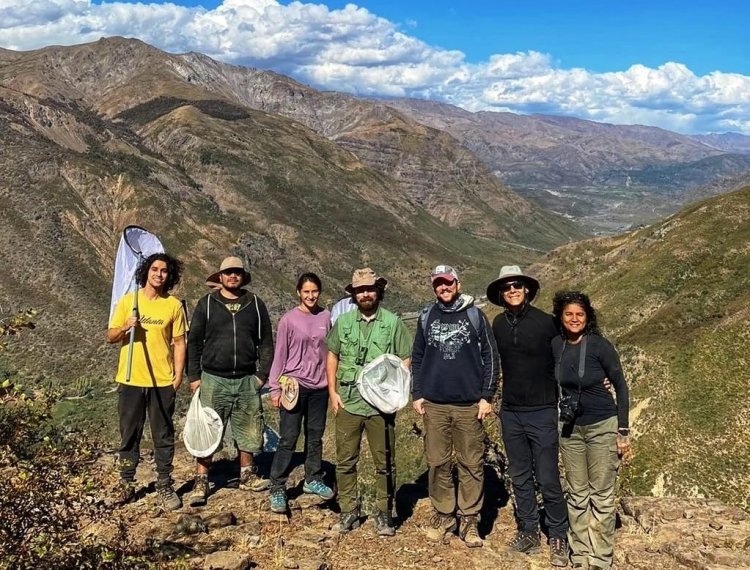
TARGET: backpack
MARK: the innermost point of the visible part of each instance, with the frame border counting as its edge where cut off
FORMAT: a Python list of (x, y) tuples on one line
[(473, 312)]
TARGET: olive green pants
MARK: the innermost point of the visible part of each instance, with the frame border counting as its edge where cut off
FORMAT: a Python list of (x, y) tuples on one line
[(449, 428), (349, 428), (589, 455), (236, 400)]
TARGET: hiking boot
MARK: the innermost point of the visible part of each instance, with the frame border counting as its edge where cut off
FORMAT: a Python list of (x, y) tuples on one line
[(347, 521), (125, 492), (169, 498), (251, 481), (384, 524), (468, 532), (317, 487), (558, 552), (199, 496), (526, 541), (278, 501), (440, 526)]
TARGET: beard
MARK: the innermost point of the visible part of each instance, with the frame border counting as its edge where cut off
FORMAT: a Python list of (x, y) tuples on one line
[(368, 303)]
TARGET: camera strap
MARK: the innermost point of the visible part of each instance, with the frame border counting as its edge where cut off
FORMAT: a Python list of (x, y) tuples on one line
[(581, 363)]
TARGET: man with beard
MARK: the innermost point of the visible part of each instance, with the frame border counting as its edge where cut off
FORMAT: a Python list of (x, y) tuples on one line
[(230, 332), (357, 338), (529, 410), (454, 366)]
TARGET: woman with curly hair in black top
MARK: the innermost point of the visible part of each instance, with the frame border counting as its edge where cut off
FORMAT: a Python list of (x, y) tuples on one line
[(594, 433)]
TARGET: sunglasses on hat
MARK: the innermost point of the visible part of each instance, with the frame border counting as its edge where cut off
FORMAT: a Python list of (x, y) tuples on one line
[(518, 285)]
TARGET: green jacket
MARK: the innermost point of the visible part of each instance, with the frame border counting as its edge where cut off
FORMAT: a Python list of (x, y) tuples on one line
[(356, 349)]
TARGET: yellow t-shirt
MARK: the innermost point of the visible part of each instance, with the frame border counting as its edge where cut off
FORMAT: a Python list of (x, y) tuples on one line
[(161, 321)]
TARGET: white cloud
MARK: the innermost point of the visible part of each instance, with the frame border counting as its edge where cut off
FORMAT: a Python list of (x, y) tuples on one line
[(354, 50)]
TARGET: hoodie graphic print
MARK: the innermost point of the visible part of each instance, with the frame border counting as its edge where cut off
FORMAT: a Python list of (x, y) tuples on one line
[(449, 338)]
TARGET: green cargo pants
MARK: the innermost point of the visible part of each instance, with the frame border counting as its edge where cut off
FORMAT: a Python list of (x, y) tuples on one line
[(589, 456), (349, 428)]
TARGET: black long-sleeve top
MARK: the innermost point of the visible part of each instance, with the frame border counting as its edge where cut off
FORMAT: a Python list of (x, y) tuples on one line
[(523, 341), (452, 363), (601, 362), (230, 343)]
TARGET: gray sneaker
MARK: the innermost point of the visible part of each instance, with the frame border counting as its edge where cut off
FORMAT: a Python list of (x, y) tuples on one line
[(169, 497), (384, 524), (347, 522), (201, 488), (527, 542)]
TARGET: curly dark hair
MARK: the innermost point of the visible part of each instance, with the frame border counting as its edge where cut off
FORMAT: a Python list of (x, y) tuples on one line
[(565, 298), (174, 270)]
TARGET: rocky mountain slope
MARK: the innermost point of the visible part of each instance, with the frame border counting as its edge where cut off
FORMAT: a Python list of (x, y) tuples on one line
[(675, 298), (728, 142), (607, 176), (101, 135), (237, 530)]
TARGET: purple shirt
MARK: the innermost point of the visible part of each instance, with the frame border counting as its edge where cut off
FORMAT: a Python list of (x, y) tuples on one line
[(301, 349)]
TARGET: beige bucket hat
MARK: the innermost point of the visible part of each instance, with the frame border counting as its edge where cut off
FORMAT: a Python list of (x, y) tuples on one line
[(228, 263), (511, 273), (363, 278)]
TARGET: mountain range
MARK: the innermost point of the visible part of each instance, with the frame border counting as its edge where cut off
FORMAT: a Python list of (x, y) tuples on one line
[(606, 177), (217, 160)]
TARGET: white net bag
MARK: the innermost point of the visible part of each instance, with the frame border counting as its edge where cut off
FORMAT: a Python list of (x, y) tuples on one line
[(385, 383), (203, 428)]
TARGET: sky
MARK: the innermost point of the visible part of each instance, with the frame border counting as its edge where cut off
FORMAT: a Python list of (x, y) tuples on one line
[(682, 66)]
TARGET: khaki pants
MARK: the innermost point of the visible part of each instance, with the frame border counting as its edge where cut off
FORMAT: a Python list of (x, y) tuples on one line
[(590, 459), (449, 428), (349, 428)]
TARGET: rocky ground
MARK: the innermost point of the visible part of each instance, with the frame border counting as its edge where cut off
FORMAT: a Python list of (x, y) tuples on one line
[(237, 530)]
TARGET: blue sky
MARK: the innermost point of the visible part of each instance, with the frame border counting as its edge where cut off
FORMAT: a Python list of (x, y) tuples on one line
[(671, 64), (604, 35)]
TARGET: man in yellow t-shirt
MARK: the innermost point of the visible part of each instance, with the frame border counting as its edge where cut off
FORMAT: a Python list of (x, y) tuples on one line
[(158, 363)]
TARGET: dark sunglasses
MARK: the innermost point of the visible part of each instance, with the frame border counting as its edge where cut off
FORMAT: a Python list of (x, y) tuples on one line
[(518, 285), (233, 271)]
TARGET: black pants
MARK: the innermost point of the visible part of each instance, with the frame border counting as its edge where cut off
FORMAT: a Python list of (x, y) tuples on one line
[(531, 443), (132, 406), (312, 406)]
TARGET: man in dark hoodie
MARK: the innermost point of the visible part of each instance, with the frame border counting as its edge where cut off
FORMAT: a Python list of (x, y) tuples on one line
[(529, 410), (229, 333), (454, 369)]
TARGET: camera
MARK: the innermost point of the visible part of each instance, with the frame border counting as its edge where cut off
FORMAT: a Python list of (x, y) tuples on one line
[(570, 408)]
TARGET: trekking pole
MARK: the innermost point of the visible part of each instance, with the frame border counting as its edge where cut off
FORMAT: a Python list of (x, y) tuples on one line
[(388, 466), (129, 366)]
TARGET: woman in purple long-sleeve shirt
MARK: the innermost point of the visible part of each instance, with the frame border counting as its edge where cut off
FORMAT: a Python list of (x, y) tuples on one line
[(301, 353)]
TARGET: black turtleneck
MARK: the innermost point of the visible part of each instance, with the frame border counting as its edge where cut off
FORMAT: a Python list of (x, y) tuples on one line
[(528, 365)]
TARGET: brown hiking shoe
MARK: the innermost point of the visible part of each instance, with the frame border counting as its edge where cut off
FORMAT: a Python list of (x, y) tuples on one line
[(251, 481), (468, 532), (124, 493), (558, 552), (527, 542), (440, 526), (201, 488)]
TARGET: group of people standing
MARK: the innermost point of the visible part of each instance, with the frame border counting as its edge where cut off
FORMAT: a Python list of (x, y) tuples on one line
[(558, 374)]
